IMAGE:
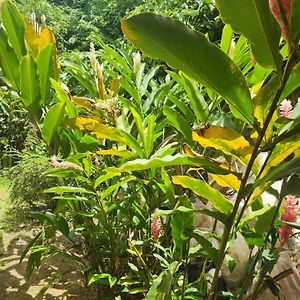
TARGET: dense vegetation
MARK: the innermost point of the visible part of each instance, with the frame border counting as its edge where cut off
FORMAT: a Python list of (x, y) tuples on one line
[(160, 169)]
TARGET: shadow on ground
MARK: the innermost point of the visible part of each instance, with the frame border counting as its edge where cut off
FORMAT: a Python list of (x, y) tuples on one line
[(57, 278)]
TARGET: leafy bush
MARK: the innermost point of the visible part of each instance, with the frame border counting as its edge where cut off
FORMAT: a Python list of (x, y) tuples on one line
[(14, 128), (144, 154), (29, 182)]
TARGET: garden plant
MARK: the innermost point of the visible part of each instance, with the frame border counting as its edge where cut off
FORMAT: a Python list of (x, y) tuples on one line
[(165, 167)]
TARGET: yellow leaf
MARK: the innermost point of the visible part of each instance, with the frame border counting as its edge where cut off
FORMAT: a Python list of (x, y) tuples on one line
[(116, 152), (227, 141), (229, 180), (281, 151), (83, 102)]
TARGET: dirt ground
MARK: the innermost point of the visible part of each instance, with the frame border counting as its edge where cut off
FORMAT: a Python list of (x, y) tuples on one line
[(57, 278)]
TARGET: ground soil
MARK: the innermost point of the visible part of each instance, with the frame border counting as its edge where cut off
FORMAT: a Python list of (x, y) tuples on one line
[(57, 278)]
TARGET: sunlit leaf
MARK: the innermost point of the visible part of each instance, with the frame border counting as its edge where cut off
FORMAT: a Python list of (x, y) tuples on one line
[(201, 188), (228, 141), (14, 25), (229, 180), (9, 61), (176, 160), (254, 20), (190, 52), (52, 121)]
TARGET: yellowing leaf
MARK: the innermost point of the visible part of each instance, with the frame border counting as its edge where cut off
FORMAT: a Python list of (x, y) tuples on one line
[(227, 141), (229, 180), (282, 151), (201, 188), (84, 103), (116, 152)]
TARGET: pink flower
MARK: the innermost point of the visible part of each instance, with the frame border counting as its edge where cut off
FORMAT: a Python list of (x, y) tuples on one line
[(155, 228), (285, 108), (290, 209), (63, 164)]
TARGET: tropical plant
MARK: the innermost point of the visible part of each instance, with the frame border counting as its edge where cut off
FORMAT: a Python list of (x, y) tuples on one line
[(140, 151)]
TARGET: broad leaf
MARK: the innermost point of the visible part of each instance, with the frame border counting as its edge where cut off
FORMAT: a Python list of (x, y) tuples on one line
[(228, 141), (190, 52), (45, 64), (68, 189), (14, 25), (30, 89), (9, 61), (176, 160), (254, 20), (52, 121), (181, 124), (201, 188)]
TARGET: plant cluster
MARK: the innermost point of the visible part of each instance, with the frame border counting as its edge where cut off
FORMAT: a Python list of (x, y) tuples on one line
[(165, 172)]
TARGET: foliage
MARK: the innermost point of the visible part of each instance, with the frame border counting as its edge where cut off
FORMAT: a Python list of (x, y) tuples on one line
[(142, 146), (28, 181), (14, 129)]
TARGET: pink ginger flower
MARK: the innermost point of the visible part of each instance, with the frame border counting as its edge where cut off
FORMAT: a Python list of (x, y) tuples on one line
[(290, 209), (285, 108), (155, 228), (63, 164)]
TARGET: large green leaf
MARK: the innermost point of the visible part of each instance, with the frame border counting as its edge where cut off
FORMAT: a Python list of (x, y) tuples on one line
[(30, 89), (253, 19), (176, 160), (180, 123), (295, 22), (45, 63), (53, 119), (201, 188), (191, 52), (182, 222), (15, 27), (9, 61)]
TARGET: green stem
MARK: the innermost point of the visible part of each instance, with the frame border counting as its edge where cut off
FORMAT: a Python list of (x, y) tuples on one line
[(228, 227)]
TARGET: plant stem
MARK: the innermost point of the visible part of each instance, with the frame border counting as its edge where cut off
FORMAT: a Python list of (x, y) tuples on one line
[(228, 227)]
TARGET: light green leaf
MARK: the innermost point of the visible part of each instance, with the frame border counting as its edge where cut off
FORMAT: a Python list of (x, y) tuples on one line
[(176, 160), (190, 52), (52, 121), (253, 19), (293, 82), (68, 189), (201, 188), (45, 61), (9, 61), (15, 27), (62, 96), (30, 89)]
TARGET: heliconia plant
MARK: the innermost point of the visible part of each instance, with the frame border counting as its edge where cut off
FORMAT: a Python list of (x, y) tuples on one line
[(144, 157)]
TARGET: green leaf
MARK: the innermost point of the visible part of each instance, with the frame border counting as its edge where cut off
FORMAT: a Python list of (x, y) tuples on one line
[(68, 189), (293, 82), (161, 286), (179, 123), (9, 61), (190, 52), (15, 27), (295, 22), (149, 135), (254, 214), (254, 20), (201, 188), (181, 223), (62, 96), (103, 278), (176, 160), (30, 89), (45, 61), (226, 40), (52, 121)]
